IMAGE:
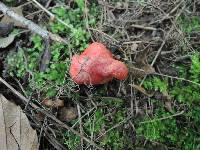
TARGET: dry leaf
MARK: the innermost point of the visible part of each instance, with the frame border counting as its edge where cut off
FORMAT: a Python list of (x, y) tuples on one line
[(141, 72), (40, 116), (148, 69), (67, 113), (167, 101), (142, 90), (5, 42), (56, 103), (132, 49), (168, 106), (47, 102), (15, 130), (141, 68), (142, 57), (166, 98), (5, 29), (7, 19)]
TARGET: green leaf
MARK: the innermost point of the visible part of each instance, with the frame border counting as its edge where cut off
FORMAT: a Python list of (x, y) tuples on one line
[(80, 4)]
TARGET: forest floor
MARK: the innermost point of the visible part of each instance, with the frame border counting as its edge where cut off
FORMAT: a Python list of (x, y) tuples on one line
[(156, 107)]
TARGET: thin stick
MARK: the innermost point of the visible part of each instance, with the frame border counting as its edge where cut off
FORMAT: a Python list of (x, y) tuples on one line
[(168, 76), (80, 124), (43, 8), (115, 126), (108, 36), (157, 54), (182, 79), (167, 117), (25, 100), (41, 130), (134, 42), (30, 25), (52, 15), (86, 17), (57, 145), (143, 27), (87, 113)]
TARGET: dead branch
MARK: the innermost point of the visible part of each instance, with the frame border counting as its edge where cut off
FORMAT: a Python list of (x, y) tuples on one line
[(143, 27), (30, 25)]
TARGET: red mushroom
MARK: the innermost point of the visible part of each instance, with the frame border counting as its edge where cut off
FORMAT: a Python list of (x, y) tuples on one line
[(96, 65)]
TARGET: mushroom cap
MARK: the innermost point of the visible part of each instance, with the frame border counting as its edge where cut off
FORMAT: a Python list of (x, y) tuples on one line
[(96, 65)]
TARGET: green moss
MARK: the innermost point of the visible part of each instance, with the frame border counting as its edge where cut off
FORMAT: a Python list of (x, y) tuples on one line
[(175, 132), (190, 24), (26, 60)]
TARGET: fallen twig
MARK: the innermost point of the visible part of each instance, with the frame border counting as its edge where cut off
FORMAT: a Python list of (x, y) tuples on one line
[(52, 15), (163, 118), (143, 27), (80, 124), (30, 25), (177, 78), (43, 8), (157, 54)]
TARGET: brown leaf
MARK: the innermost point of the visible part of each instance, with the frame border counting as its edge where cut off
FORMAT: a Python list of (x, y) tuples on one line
[(47, 102), (7, 19), (141, 72), (5, 29), (141, 89), (40, 116), (141, 68), (141, 57), (15, 130), (56, 103), (168, 106), (132, 49), (167, 101), (148, 69), (67, 113)]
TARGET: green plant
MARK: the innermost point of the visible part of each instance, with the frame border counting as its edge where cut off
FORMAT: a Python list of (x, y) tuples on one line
[(9, 1), (80, 4), (157, 129), (106, 124), (71, 140), (190, 95), (190, 92), (26, 60), (176, 132), (156, 83), (99, 126), (190, 24), (195, 67), (75, 28)]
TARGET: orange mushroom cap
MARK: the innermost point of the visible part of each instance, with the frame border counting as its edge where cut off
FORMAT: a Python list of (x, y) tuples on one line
[(96, 65)]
